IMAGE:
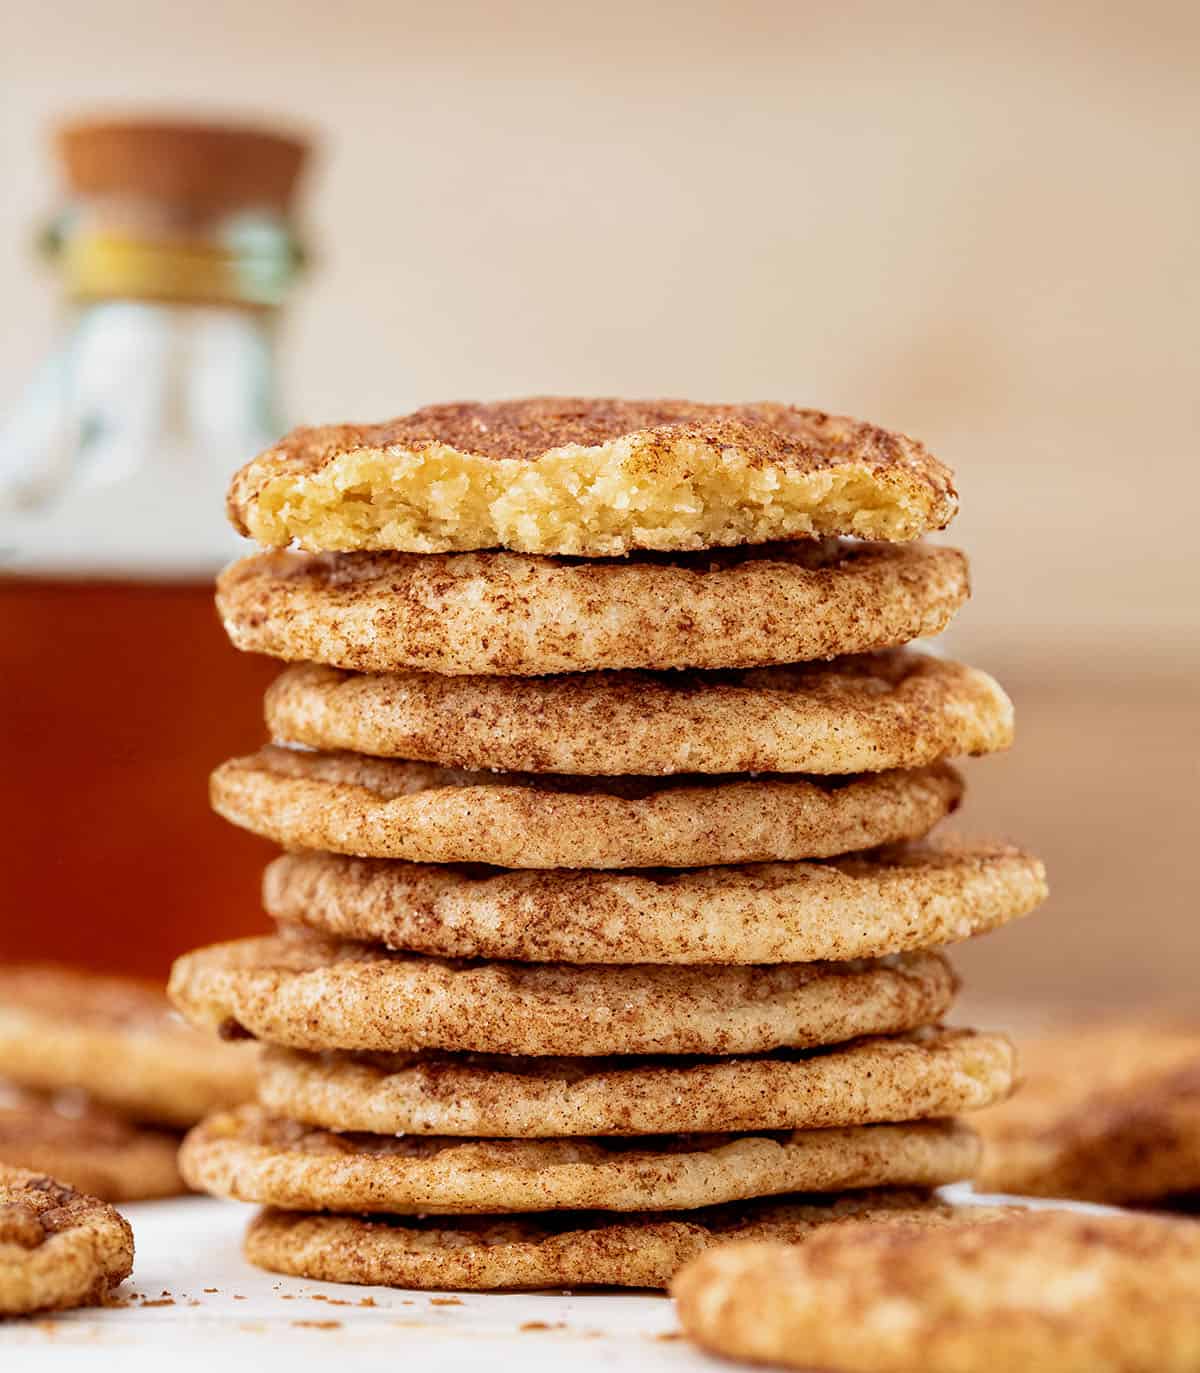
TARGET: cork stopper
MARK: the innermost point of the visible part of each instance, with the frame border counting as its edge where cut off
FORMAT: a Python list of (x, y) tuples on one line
[(199, 168)]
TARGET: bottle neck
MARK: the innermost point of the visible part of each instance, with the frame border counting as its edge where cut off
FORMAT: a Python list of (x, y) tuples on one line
[(110, 266), (115, 461), (138, 251)]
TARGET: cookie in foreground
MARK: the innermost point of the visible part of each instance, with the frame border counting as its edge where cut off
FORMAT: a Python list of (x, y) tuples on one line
[(569, 475), (58, 1247), (1050, 1291)]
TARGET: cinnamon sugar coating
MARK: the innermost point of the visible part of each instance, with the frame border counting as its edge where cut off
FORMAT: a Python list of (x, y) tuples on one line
[(1047, 1290), (910, 896), (566, 475), (312, 993), (386, 808), (897, 709), (518, 615), (557, 1249), (1106, 1113), (58, 1248), (918, 1076), (251, 1156)]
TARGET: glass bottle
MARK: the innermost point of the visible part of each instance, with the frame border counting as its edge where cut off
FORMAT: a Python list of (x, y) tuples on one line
[(118, 690)]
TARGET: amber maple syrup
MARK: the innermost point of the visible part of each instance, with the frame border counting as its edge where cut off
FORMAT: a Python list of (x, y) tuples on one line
[(119, 691), (116, 701)]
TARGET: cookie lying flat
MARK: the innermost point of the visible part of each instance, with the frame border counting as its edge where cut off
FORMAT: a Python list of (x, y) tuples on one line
[(1104, 1113), (567, 475), (250, 1156), (87, 1146), (898, 709), (306, 992), (912, 896), (1048, 1290), (930, 1073), (385, 808), (508, 613), (563, 1249), (58, 1248), (118, 1040)]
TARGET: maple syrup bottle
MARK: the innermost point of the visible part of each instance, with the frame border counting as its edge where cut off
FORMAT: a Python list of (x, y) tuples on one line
[(118, 689)]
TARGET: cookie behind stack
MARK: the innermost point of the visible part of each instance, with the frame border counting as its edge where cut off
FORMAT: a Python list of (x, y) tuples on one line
[(1108, 1112), (98, 1076), (605, 965)]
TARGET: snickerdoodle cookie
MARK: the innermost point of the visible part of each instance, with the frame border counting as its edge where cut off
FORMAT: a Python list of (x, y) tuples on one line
[(58, 1248), (251, 1156), (569, 475), (909, 896), (118, 1040), (519, 615), (556, 1249), (386, 808), (88, 1146), (931, 1072), (1105, 1113), (307, 992), (897, 709), (1046, 1290)]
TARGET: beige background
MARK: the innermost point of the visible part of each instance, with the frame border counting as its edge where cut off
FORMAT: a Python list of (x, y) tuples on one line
[(977, 223)]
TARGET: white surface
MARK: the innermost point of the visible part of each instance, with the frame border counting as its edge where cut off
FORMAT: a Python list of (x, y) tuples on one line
[(217, 1312), (257, 1320)]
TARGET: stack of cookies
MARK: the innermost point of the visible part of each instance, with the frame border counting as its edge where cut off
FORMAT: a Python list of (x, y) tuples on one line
[(608, 922)]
